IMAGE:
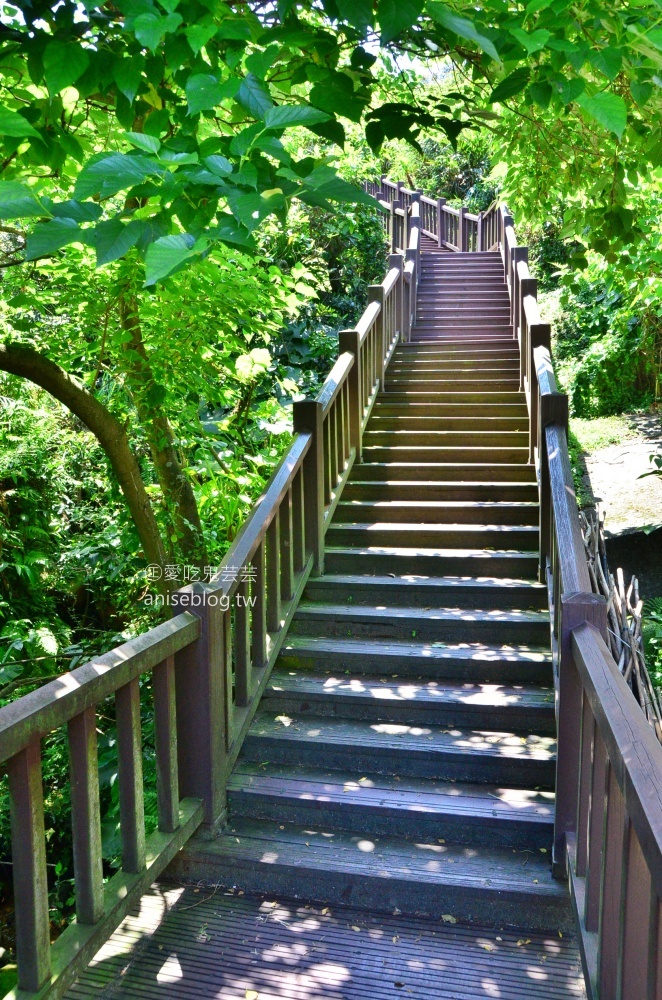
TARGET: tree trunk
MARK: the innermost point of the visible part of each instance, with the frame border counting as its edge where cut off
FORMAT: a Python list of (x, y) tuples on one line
[(177, 490), (19, 359)]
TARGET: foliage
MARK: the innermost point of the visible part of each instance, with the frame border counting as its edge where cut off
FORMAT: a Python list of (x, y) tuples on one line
[(652, 636)]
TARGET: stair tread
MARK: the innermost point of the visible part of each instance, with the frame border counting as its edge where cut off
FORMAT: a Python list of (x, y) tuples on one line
[(356, 612), (403, 794), (501, 870), (474, 652), (422, 527), (487, 505), (453, 553), (493, 586), (424, 691), (430, 740)]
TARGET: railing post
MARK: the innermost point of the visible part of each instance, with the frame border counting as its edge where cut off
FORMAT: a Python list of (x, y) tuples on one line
[(575, 609), (479, 233), (350, 341), (440, 220), (537, 335), (376, 294), (31, 921), (201, 682), (398, 260), (307, 416), (553, 410), (518, 254), (381, 186), (528, 286), (394, 242), (461, 246)]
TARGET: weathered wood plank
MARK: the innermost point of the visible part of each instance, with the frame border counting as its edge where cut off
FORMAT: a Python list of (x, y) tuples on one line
[(165, 739), (130, 760), (36, 714), (86, 816)]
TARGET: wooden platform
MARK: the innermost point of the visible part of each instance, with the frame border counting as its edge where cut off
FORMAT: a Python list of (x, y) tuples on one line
[(183, 943)]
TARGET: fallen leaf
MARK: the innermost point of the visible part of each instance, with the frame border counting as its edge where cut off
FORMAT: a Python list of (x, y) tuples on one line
[(523, 941), (252, 995), (355, 928), (325, 910), (448, 918), (487, 945)]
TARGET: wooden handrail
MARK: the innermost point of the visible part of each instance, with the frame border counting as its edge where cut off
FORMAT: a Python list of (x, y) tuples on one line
[(53, 705), (335, 381)]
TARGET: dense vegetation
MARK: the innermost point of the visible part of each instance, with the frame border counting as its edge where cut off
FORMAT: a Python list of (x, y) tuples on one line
[(183, 236)]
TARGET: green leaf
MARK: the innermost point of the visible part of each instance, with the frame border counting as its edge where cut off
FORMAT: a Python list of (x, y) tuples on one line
[(513, 84), (460, 26), (85, 211), (395, 16), (532, 41), (253, 97), (541, 93), (571, 89), (150, 28), (149, 143), (64, 62), (230, 232), (168, 254), (47, 237), (608, 61), (607, 109), (199, 34), (251, 208), (219, 165), (332, 130), (358, 13), (286, 115), (15, 125), (325, 182), (18, 202), (204, 92), (641, 92), (127, 74), (112, 239), (113, 173)]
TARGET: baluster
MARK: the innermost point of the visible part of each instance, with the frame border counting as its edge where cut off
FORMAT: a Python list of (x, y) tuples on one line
[(655, 955), (165, 743), (307, 415), (347, 440), (609, 950), (273, 574), (129, 754), (241, 649), (460, 231), (595, 833), (639, 919), (376, 294), (349, 341), (340, 432), (440, 221), (259, 586), (587, 734), (298, 525), (31, 921), (286, 554), (86, 815), (330, 454)]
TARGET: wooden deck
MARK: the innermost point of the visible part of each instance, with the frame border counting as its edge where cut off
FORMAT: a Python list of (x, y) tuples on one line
[(184, 943)]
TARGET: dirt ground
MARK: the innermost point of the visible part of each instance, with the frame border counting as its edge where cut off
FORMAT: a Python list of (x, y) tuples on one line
[(612, 475)]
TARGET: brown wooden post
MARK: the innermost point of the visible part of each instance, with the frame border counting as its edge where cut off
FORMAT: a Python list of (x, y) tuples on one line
[(460, 231), (307, 417), (86, 816), (538, 335), (440, 220), (376, 294), (519, 254), (398, 260), (31, 921), (165, 739), (575, 609), (479, 232), (396, 222), (553, 410), (201, 683), (381, 186), (349, 341)]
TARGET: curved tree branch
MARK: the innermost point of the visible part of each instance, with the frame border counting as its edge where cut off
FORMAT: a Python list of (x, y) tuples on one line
[(26, 362)]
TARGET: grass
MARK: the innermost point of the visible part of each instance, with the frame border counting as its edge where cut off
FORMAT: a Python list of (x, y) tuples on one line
[(600, 432)]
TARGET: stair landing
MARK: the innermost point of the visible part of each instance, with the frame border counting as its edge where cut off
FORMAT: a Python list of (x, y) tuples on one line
[(182, 943)]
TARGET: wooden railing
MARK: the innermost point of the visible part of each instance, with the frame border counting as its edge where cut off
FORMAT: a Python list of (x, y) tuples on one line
[(608, 822), (208, 666), (453, 228)]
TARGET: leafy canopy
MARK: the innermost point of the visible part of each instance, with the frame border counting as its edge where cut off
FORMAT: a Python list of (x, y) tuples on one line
[(160, 126)]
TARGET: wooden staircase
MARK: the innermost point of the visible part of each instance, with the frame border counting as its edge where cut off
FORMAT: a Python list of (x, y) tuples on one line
[(402, 758)]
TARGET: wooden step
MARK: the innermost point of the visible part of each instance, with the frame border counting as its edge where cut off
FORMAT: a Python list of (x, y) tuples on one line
[(459, 344), (424, 624), (465, 406), (421, 702), (391, 591), (436, 511), (488, 886), (380, 422), (486, 756), (401, 561), (486, 400), (442, 438), (493, 360), (453, 385), (425, 811), (468, 456), (515, 492), (459, 661), (450, 472)]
